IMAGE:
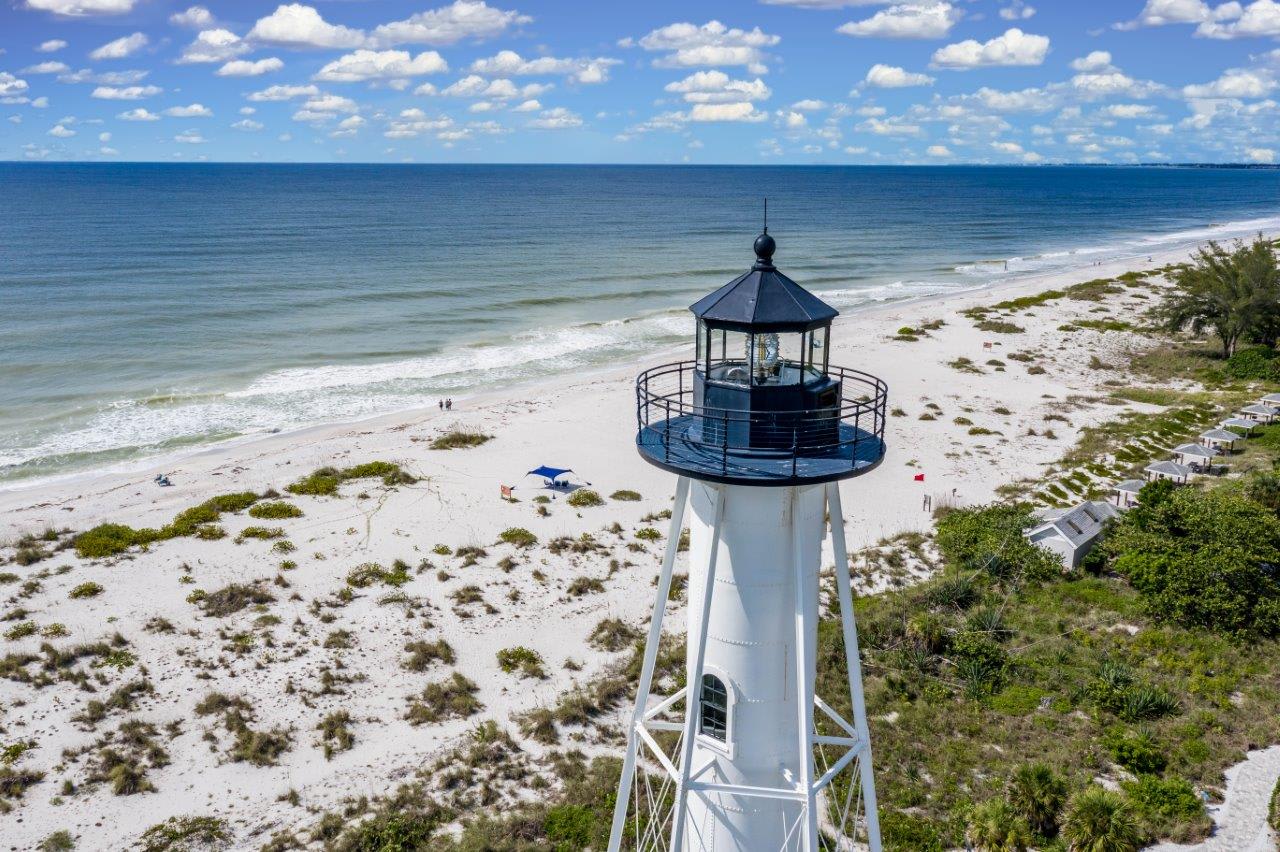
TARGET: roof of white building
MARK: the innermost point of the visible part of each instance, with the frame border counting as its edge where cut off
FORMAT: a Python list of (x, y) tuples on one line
[(1258, 408), (1196, 450), (1129, 486), (1271, 397), (1239, 423), (1219, 435), (1078, 525), (1171, 468)]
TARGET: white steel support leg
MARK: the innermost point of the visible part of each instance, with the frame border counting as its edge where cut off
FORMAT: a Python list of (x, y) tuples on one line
[(650, 659), (693, 690), (804, 697), (844, 592)]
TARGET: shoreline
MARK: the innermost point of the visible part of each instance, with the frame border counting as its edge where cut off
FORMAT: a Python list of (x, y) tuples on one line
[(869, 311)]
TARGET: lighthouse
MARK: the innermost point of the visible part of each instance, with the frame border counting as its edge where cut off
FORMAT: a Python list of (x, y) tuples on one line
[(760, 429)]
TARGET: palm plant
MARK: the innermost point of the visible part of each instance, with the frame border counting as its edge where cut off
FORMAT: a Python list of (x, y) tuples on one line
[(1098, 820), (1036, 792), (995, 826), (1233, 292)]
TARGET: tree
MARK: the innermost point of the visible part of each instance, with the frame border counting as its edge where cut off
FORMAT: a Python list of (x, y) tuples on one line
[(1233, 292), (1205, 559), (1037, 793), (995, 826), (1098, 820)]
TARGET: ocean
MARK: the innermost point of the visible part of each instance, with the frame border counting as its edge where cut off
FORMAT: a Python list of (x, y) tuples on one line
[(148, 308)]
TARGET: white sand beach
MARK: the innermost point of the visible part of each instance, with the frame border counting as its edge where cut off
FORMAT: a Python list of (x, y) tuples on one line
[(586, 423)]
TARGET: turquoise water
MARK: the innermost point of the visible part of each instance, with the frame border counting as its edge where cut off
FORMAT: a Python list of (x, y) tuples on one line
[(148, 307)]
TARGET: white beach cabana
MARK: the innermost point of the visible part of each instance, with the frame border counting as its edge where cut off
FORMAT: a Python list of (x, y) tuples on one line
[(1179, 474), (1259, 413), (1072, 533), (1271, 399), (1125, 494), (1243, 425), (1198, 457), (1220, 439)]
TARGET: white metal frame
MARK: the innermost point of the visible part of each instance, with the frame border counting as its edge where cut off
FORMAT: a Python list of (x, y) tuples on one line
[(806, 790)]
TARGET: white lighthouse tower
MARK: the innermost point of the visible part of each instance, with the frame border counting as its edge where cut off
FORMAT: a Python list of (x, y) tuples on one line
[(760, 429)]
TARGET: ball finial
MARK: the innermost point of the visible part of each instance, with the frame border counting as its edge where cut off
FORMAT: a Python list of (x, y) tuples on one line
[(765, 247)]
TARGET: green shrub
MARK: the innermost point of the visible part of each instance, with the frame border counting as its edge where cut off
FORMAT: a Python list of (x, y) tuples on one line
[(999, 327), (572, 825), (1134, 750), (85, 590), (1167, 807), (233, 503), (260, 533), (274, 511), (613, 634), (1099, 820), (648, 534), (625, 495), (585, 497), (585, 586), (459, 439), (452, 698), (526, 661), (519, 536), (105, 540), (904, 832), (1038, 794), (320, 483), (994, 826), (1257, 362), (324, 482), (981, 536), (21, 630), (180, 834)]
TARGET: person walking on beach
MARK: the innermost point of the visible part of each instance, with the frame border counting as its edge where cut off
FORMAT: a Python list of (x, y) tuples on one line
[(448, 404), (441, 402)]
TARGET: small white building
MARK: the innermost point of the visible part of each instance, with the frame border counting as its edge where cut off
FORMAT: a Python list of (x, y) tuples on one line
[(1072, 533), (1125, 494), (1179, 474), (1259, 413), (1243, 425), (1220, 440), (1198, 457)]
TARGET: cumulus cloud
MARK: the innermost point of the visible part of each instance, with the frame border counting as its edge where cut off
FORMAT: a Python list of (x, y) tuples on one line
[(46, 68), (464, 19), (139, 114), (938, 151), (531, 105), (299, 26), (213, 46), (889, 127), (706, 87), (284, 93), (1013, 48), (11, 85), (126, 93), (907, 20), (190, 137), (1234, 83), (508, 63), (892, 77), (82, 8), (1260, 155), (744, 111), (1260, 19), (475, 86), (1127, 111), (191, 111), (557, 118), (108, 78), (121, 47), (51, 46), (196, 18), (689, 46), (326, 103), (250, 68), (809, 105), (247, 124), (1097, 60), (61, 132), (414, 122), (380, 65), (1112, 84), (1017, 11)]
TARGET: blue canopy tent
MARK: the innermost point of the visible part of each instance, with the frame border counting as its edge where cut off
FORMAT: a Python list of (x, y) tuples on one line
[(550, 474)]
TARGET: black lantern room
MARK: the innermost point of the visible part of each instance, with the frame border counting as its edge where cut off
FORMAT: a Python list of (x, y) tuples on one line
[(761, 402)]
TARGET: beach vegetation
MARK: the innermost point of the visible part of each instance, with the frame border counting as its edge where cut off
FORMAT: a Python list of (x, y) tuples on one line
[(231, 598), (460, 439), (625, 495), (583, 498), (1100, 820), (324, 481), (86, 590), (525, 661), (275, 510), (999, 326), (423, 654), (335, 733), (964, 365), (613, 635), (58, 841), (1231, 291), (21, 630), (442, 550), (452, 698), (584, 586), (648, 534), (995, 826), (259, 533), (518, 536), (185, 834)]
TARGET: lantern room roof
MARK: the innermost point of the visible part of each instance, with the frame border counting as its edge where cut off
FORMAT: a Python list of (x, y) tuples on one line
[(763, 300)]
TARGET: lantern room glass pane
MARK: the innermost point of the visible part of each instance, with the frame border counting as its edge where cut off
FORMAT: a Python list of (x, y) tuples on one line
[(713, 702), (730, 357), (777, 358), (816, 358)]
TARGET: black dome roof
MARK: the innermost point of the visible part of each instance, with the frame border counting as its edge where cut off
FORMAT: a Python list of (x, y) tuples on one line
[(763, 299)]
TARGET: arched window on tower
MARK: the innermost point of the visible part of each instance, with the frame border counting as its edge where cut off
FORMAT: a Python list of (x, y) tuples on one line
[(714, 708)]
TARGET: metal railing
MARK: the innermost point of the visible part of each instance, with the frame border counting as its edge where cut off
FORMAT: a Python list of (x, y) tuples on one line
[(666, 413)]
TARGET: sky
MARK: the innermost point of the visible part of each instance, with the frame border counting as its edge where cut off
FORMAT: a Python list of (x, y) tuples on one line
[(698, 81)]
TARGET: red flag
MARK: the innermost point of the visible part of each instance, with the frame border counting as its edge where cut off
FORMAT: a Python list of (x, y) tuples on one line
[(506, 490), (919, 477)]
